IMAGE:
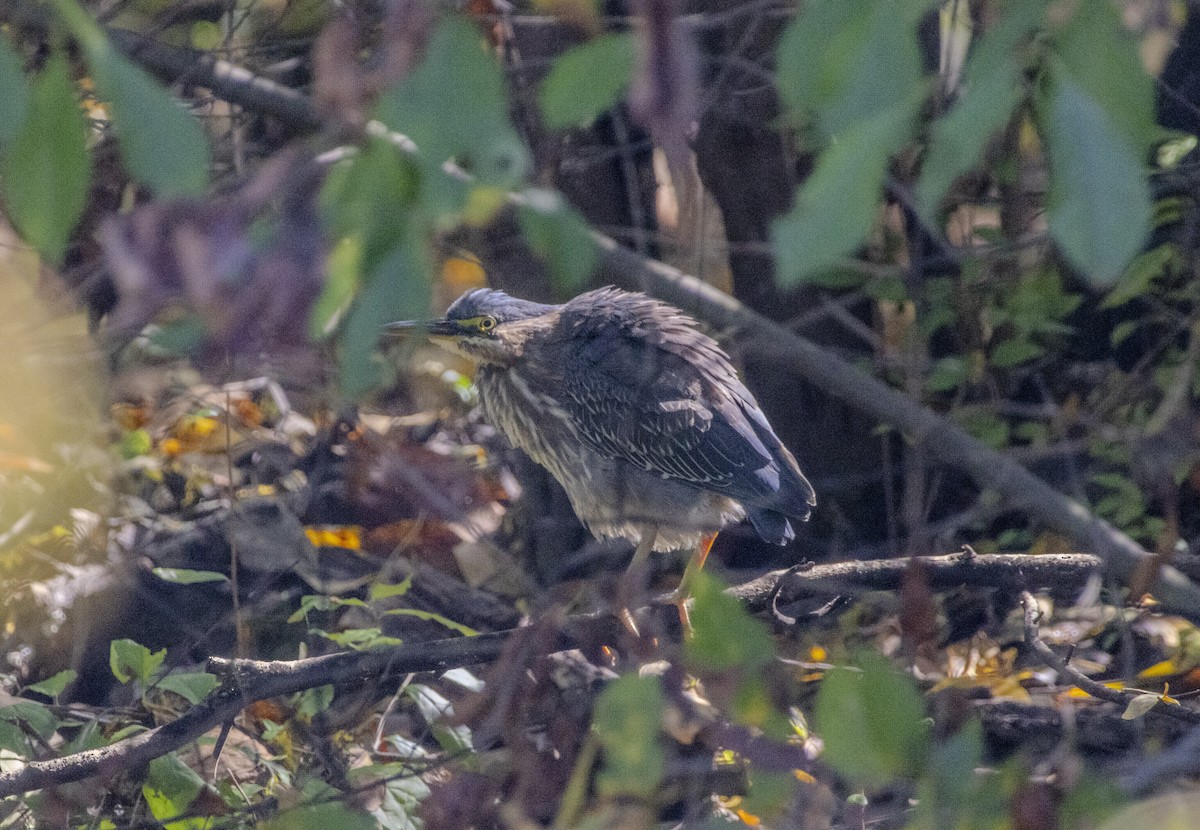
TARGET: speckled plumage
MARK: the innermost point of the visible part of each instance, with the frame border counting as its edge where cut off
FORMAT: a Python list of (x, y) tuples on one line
[(635, 411)]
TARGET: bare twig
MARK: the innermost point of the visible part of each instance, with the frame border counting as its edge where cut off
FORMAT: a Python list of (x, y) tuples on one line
[(1121, 697)]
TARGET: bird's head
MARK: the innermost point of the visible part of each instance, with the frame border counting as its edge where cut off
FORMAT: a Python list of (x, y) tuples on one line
[(486, 326)]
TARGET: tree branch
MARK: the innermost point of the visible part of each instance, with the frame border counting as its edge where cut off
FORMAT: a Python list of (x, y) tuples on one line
[(1064, 573), (227, 81), (245, 682)]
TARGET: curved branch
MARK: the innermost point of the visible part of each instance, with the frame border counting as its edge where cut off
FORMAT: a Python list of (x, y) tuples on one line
[(245, 682)]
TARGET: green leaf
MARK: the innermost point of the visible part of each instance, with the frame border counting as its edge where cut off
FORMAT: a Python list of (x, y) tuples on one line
[(984, 425), (430, 616), (191, 686), (628, 724), (455, 106), (342, 267), (872, 722), (14, 739), (397, 289), (769, 796), (1098, 200), (954, 794), (587, 80), (162, 145), (14, 92), (724, 635), (184, 576), (384, 590), (54, 685), (130, 660), (947, 374), (850, 63), (1142, 272), (171, 787), (1101, 56), (560, 236), (358, 639), (835, 209), (47, 167), (1015, 351), (34, 716), (366, 195), (1122, 331), (437, 710), (403, 793), (992, 85), (314, 701)]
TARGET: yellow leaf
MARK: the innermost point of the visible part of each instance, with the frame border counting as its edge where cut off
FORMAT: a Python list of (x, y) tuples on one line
[(1165, 668), (463, 272), (341, 536), (748, 819)]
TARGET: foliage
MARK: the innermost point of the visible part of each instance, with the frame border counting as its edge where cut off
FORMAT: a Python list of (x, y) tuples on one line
[(921, 215)]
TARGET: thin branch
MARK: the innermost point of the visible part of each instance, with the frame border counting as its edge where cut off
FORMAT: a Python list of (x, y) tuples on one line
[(227, 81), (246, 682), (1121, 697)]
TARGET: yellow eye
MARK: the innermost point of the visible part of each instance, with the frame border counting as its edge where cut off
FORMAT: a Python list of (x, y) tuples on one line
[(487, 323)]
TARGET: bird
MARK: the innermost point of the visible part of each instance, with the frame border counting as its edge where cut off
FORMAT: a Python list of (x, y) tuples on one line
[(635, 411)]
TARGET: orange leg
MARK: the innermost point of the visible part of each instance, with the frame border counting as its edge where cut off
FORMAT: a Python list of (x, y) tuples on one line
[(694, 566)]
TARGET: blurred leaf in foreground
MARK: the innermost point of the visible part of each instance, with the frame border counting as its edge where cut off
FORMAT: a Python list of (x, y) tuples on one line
[(873, 722), (47, 166)]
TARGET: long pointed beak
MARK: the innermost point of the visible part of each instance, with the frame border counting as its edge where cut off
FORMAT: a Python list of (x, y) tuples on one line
[(441, 327)]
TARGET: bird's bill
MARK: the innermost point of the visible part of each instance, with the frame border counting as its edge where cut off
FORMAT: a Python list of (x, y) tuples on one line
[(434, 328)]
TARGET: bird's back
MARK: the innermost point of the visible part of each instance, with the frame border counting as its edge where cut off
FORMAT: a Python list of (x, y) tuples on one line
[(642, 384)]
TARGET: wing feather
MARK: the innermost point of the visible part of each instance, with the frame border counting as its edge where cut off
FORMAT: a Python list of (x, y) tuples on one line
[(662, 395)]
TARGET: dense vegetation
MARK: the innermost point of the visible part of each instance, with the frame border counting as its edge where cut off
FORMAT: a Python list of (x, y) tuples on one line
[(261, 569)]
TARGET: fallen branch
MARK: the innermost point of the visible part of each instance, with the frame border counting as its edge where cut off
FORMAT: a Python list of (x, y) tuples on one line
[(1064, 573), (1121, 697)]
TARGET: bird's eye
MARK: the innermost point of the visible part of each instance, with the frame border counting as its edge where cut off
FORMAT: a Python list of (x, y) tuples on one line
[(487, 323)]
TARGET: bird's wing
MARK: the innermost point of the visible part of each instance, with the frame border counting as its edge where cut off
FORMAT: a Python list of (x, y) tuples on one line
[(670, 403)]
